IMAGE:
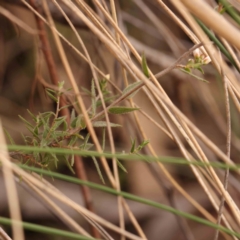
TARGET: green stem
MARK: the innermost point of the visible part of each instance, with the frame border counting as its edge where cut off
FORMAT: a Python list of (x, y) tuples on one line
[(231, 11), (83, 153), (217, 42), (131, 197), (43, 229)]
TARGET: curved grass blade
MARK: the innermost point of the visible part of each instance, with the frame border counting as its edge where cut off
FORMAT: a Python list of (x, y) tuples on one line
[(45, 230), (133, 198), (217, 42)]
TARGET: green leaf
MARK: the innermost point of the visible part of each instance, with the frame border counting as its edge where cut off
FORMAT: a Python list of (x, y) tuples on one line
[(47, 115), (73, 116), (30, 129), (103, 86), (72, 160), (106, 100), (73, 140), (187, 69), (200, 70), (93, 94), (36, 130), (104, 124), (85, 141), (231, 11), (193, 75), (43, 142), (144, 66), (143, 144), (55, 159), (25, 121), (46, 128), (51, 95), (98, 169), (104, 138), (32, 115), (66, 106), (130, 87), (88, 146), (60, 85), (133, 146), (68, 163), (86, 91), (9, 136), (58, 122), (121, 110), (121, 166), (82, 123), (74, 122), (218, 43)]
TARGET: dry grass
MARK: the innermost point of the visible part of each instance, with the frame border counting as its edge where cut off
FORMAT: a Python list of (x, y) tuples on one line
[(200, 120)]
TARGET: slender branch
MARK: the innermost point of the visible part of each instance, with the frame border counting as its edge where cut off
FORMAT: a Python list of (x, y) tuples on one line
[(3, 235), (158, 75), (228, 151)]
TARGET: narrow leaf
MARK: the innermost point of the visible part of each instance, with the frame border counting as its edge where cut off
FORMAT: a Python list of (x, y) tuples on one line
[(32, 115), (73, 140), (25, 121), (9, 136), (68, 164), (144, 66), (98, 169), (193, 75), (121, 110), (55, 159), (93, 94), (130, 87), (121, 166), (54, 98), (133, 146), (143, 144), (72, 160), (104, 139), (66, 106), (73, 116), (104, 124), (58, 122)]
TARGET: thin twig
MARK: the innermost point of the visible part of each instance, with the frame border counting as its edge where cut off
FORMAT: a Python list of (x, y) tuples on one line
[(115, 166), (3, 235), (51, 206), (228, 151), (158, 75)]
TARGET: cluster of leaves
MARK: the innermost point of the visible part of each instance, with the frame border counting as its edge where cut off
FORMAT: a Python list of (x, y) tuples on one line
[(50, 129), (135, 149)]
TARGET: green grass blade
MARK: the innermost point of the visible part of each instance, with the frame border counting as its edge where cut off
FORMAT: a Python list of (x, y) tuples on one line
[(231, 11), (217, 42), (45, 230), (121, 156), (132, 197)]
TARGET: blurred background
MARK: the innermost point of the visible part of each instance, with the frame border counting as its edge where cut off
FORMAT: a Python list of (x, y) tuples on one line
[(24, 77)]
